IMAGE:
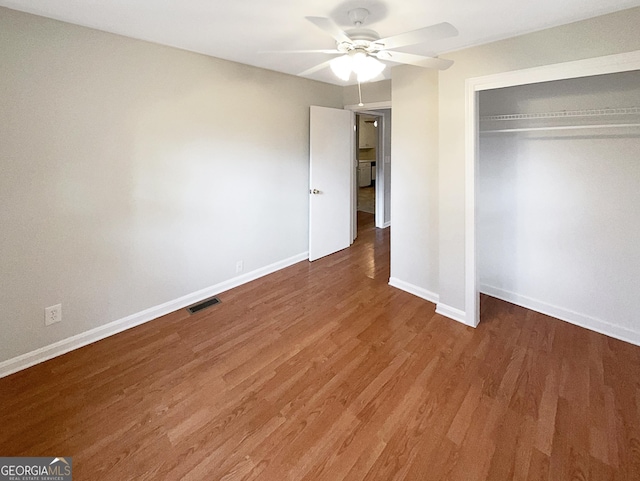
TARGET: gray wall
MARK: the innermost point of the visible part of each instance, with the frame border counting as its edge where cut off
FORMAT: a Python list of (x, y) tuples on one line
[(134, 174)]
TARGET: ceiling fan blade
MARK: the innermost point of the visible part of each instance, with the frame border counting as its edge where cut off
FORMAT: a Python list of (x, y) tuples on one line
[(327, 51), (417, 60), (315, 69), (329, 26), (426, 34)]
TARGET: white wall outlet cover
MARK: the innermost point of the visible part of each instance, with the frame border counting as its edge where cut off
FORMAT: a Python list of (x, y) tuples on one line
[(52, 314)]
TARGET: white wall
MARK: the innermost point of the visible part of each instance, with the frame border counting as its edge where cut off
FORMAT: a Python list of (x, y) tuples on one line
[(604, 35), (559, 211), (414, 183), (134, 174)]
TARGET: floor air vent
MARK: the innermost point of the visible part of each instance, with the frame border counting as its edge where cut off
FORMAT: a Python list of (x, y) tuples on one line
[(203, 305)]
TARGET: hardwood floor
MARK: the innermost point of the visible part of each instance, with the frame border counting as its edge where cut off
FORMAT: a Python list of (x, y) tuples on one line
[(367, 199), (324, 372)]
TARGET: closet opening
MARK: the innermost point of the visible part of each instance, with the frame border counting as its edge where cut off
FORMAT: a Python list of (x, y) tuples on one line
[(553, 207), (558, 202)]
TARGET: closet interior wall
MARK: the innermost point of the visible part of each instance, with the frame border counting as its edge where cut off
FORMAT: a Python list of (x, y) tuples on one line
[(558, 201)]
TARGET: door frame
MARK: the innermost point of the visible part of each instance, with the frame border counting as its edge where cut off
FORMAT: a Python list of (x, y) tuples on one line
[(372, 109), (616, 63)]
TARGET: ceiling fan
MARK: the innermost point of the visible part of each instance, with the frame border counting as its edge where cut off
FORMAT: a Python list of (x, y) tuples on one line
[(361, 49)]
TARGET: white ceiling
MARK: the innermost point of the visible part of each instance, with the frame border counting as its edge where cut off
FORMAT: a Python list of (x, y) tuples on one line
[(242, 30)]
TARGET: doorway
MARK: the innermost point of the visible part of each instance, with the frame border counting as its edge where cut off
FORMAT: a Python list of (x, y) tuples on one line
[(333, 182), (367, 157), (373, 165)]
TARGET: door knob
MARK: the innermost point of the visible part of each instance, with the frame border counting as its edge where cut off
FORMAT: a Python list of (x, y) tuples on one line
[(314, 191)]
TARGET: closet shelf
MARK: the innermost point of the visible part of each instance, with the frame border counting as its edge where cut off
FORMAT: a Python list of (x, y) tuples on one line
[(561, 127), (613, 116), (564, 114)]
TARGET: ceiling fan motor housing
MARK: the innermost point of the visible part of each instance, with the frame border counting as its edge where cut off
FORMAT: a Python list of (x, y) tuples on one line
[(360, 38)]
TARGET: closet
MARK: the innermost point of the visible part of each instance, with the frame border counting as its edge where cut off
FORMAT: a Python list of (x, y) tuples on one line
[(558, 200)]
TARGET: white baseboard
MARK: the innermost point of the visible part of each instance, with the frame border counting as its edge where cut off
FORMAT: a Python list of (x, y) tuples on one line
[(453, 313), (582, 320), (413, 289), (45, 353), (442, 309)]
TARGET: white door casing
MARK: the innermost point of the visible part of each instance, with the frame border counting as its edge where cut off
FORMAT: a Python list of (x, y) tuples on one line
[(331, 176)]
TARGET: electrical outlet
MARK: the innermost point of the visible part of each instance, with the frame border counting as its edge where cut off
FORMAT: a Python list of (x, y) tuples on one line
[(52, 314), (239, 267)]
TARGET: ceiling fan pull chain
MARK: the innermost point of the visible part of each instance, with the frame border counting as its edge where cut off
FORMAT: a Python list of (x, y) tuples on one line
[(360, 95)]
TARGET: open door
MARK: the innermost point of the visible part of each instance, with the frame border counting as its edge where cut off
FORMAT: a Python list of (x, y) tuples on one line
[(331, 178)]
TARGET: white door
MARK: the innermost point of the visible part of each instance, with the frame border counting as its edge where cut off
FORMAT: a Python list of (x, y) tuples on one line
[(331, 176)]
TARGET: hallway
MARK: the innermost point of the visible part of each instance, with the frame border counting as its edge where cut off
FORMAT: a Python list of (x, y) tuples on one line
[(367, 199)]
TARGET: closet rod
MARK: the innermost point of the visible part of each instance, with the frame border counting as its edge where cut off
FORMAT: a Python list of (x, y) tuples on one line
[(564, 114), (564, 127)]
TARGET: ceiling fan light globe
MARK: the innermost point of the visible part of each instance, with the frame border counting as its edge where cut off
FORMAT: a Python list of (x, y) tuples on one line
[(368, 69), (341, 67), (358, 58)]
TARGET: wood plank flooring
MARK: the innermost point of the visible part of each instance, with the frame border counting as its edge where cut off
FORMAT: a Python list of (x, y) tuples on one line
[(367, 199), (323, 372)]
